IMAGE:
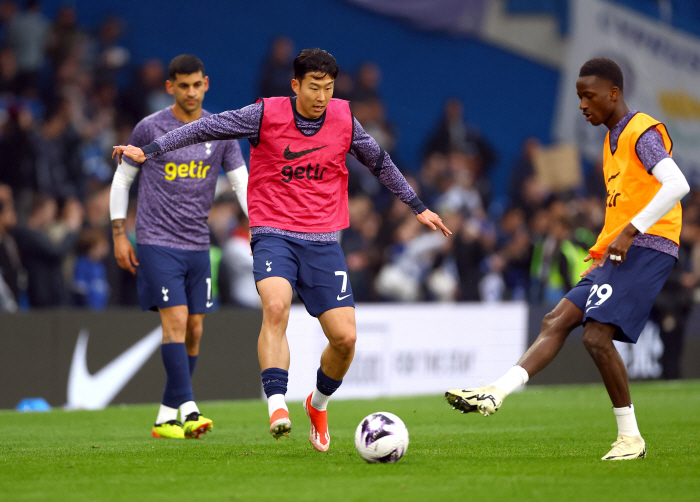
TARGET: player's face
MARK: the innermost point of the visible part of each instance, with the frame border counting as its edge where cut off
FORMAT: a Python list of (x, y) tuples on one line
[(188, 90), (313, 94), (598, 99)]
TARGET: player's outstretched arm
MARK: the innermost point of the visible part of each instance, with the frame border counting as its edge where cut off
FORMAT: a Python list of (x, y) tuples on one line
[(432, 220), (366, 149), (132, 152)]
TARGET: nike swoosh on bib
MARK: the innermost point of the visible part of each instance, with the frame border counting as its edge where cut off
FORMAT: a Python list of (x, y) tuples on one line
[(290, 155), (94, 392)]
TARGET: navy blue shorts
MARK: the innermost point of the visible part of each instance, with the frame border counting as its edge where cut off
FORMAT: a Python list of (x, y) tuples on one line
[(168, 277), (623, 295), (316, 270)]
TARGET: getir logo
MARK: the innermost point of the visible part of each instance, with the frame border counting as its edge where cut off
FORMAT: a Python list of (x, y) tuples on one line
[(191, 170)]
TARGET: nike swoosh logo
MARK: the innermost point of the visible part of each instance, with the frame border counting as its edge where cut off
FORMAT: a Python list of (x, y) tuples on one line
[(343, 297), (94, 392), (290, 155), (613, 176), (593, 307), (209, 304)]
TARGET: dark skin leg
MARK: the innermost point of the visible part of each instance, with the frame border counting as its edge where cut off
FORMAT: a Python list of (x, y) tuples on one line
[(598, 340), (556, 326)]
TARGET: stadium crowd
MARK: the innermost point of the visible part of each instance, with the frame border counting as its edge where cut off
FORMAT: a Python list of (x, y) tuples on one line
[(68, 95)]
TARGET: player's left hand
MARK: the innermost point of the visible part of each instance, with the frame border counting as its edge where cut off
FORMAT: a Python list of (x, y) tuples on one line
[(432, 220), (617, 249), (133, 152)]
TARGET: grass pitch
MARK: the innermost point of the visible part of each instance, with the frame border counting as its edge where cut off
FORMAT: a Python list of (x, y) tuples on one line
[(544, 444)]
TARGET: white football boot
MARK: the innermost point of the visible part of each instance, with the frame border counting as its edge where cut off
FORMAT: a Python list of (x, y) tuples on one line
[(486, 400), (627, 448)]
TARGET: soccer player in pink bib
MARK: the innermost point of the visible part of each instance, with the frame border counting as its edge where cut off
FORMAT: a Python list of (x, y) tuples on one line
[(298, 203)]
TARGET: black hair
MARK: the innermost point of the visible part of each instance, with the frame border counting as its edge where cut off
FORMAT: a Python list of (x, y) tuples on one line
[(315, 61), (604, 68), (184, 64)]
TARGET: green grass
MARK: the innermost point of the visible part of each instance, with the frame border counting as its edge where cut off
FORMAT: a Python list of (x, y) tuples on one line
[(544, 444)]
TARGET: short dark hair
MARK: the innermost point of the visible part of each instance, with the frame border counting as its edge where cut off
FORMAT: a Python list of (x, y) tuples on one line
[(604, 68), (185, 64), (315, 61)]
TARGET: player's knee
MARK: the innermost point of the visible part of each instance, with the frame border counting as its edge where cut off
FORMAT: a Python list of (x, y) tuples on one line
[(594, 342), (276, 311), (174, 327), (551, 323), (345, 343), (194, 331)]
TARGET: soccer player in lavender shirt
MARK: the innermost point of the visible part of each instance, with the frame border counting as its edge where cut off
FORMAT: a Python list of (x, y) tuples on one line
[(640, 238), (173, 271), (298, 203)]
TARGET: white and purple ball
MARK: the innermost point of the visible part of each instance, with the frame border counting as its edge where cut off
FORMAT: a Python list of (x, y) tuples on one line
[(381, 437)]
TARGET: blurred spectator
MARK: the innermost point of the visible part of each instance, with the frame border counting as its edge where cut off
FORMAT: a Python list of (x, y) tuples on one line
[(9, 81), (56, 152), (277, 70), (8, 10), (43, 244), (146, 94), (112, 56), (26, 35), (522, 170), (515, 249), (557, 260), (358, 243), (454, 134), (90, 286), (369, 76), (12, 275), (16, 152), (412, 258), (63, 36), (474, 241)]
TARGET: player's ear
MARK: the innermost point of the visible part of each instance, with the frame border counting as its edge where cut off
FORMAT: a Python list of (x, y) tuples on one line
[(614, 93), (169, 87), (296, 86), (206, 84)]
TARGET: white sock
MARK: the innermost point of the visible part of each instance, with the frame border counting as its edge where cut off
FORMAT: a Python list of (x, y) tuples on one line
[(166, 414), (187, 408), (626, 421), (514, 378), (319, 400), (275, 402)]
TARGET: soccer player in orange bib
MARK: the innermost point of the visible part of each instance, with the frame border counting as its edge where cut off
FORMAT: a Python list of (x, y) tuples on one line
[(632, 258)]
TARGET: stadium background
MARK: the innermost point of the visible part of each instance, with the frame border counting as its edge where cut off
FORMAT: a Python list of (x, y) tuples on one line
[(509, 89)]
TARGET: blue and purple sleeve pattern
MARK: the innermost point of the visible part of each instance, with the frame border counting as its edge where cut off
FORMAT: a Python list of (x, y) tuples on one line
[(650, 148), (233, 124)]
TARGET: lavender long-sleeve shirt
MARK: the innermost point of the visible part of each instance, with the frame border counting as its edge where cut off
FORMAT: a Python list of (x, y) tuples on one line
[(245, 123)]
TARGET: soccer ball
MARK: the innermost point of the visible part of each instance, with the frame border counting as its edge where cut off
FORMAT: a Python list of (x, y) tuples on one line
[(381, 437)]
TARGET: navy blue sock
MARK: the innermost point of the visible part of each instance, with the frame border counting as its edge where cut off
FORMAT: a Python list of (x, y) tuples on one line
[(325, 384), (178, 388), (193, 362), (274, 381)]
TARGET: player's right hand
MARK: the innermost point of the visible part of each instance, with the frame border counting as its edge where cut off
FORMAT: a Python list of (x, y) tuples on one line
[(132, 152), (124, 253), (595, 263)]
